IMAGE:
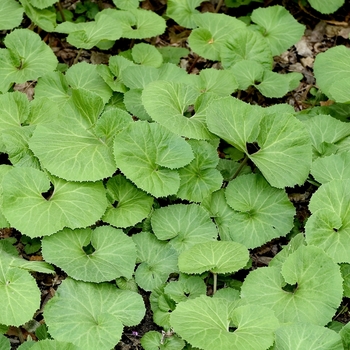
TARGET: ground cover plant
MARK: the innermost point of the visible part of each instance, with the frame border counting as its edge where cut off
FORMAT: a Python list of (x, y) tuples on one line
[(182, 186)]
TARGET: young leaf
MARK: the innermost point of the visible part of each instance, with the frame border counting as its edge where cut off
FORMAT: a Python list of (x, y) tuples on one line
[(307, 289), (167, 103), (278, 26), (128, 204), (146, 54), (336, 63), (328, 226), (261, 211), (158, 261), (307, 336), (184, 225), (112, 254), (148, 155), (11, 14), (154, 340), (92, 315), (183, 12), (325, 6), (216, 257), (200, 178), (19, 293), (214, 323), (243, 45), (212, 34), (69, 204), (26, 57)]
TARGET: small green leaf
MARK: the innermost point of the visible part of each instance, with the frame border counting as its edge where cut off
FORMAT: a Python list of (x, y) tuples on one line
[(26, 57), (69, 204), (92, 315), (172, 54), (148, 155), (200, 178), (183, 12), (261, 211), (214, 323), (157, 261), (212, 34), (11, 14), (153, 340), (328, 226), (314, 281), (128, 204), (146, 54), (216, 256), (307, 336), (37, 266), (278, 26), (184, 225), (113, 253), (325, 6)]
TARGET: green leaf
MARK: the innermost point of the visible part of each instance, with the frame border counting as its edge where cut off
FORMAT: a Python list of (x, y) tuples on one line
[(148, 155), (212, 34), (167, 103), (5, 343), (146, 54), (138, 23), (44, 18), (314, 281), (278, 138), (89, 34), (37, 266), (183, 12), (70, 204), (26, 57), (128, 204), (50, 344), (331, 67), (133, 103), (273, 85), (184, 225), (153, 340), (326, 133), (326, 7), (11, 14), (345, 272), (279, 27), (307, 336), (113, 253), (261, 211), (247, 73), (208, 323), (200, 178), (138, 77), (244, 45), (172, 54), (126, 4), (216, 257), (157, 261), (333, 167), (41, 4), (339, 90), (19, 294), (76, 151), (328, 226), (92, 315)]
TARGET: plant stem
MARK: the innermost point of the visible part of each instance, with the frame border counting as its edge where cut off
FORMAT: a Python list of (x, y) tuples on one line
[(60, 9), (218, 6), (77, 56), (215, 285), (244, 162)]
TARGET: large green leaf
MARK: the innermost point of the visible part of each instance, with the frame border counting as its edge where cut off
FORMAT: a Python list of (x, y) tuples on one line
[(26, 57), (183, 12), (325, 6), (92, 315), (148, 155), (307, 336), (19, 293), (214, 323), (261, 211), (112, 254), (331, 67), (157, 261), (11, 14), (49, 344), (279, 27), (5, 343), (212, 34), (69, 204), (283, 148), (128, 204), (215, 256), (184, 225), (329, 225), (200, 178), (307, 289)]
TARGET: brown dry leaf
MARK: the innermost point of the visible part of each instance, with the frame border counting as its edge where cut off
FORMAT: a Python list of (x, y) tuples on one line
[(27, 88), (99, 57), (303, 47)]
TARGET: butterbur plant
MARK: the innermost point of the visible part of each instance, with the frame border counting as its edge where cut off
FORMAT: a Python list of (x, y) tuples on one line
[(139, 188)]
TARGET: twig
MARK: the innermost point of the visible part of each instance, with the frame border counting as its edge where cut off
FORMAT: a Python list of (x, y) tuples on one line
[(218, 6)]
